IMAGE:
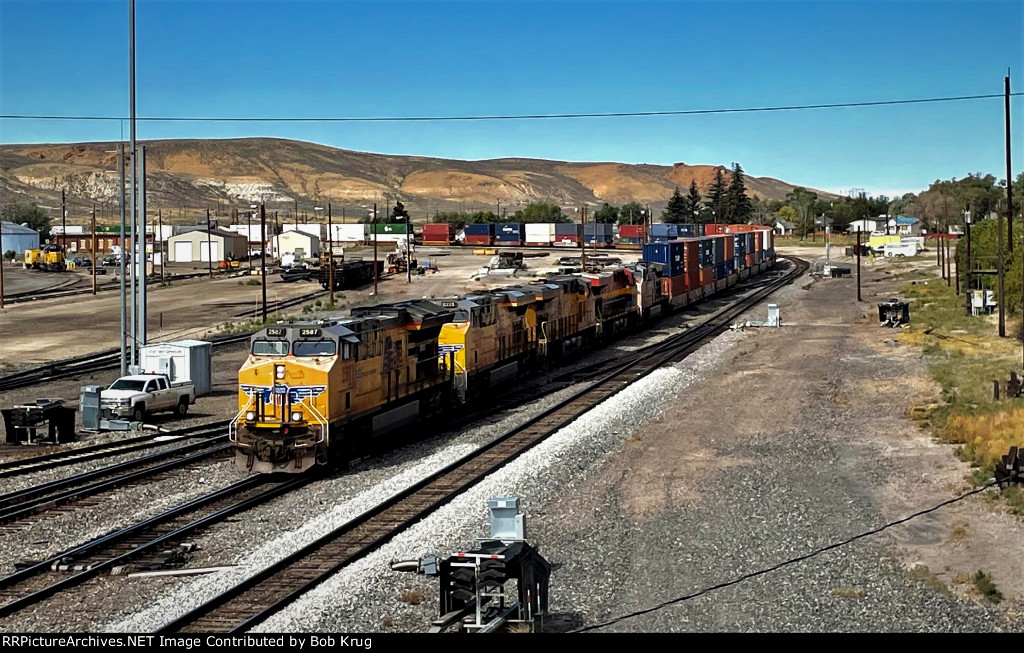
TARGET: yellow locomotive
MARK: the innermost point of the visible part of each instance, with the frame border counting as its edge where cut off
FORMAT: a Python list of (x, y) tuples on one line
[(311, 391), (308, 391)]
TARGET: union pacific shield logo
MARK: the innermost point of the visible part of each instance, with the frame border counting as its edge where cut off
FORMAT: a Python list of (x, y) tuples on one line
[(295, 393)]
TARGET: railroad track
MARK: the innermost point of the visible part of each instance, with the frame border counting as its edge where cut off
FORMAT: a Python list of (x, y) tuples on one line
[(252, 601), (106, 449), (89, 363), (54, 293), (29, 503), (138, 543)]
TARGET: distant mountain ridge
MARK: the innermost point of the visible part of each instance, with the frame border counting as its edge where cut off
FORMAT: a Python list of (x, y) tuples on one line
[(209, 173)]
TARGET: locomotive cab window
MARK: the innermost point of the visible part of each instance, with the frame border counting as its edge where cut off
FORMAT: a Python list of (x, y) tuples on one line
[(269, 348), (314, 348)]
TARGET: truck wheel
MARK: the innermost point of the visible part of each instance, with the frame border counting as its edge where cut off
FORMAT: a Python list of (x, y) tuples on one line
[(139, 413), (182, 408)]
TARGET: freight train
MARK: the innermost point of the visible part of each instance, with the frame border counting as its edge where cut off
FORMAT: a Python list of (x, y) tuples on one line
[(315, 391)]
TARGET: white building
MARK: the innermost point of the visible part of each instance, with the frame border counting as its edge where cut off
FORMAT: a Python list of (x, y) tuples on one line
[(302, 244)]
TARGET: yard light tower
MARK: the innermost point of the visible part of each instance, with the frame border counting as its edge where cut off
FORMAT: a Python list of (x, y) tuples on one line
[(318, 211)]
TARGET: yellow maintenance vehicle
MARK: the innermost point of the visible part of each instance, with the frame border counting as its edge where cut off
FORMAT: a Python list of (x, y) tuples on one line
[(50, 258)]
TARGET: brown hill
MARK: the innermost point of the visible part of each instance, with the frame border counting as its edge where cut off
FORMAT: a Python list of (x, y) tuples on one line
[(187, 176)]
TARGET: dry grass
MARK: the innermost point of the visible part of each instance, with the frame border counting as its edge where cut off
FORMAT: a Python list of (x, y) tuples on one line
[(412, 597), (958, 532), (925, 575), (961, 579), (987, 437), (847, 592)]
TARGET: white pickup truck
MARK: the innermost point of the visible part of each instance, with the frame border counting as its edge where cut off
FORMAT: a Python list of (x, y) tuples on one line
[(138, 395)]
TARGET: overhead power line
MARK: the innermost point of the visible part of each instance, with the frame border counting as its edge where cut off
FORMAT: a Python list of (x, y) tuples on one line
[(622, 114), (780, 565)]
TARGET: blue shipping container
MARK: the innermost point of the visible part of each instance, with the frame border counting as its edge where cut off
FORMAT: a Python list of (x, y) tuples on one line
[(690, 230), (567, 229), (599, 228), (509, 232), (707, 252), (669, 230), (720, 249), (671, 253), (479, 229)]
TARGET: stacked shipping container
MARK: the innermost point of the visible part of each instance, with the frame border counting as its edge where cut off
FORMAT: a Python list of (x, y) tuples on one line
[(510, 234), (568, 234), (439, 233), (539, 234), (479, 234), (598, 234)]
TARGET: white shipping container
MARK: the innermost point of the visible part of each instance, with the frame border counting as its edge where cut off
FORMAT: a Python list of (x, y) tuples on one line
[(350, 233), (543, 230), (253, 230), (183, 360)]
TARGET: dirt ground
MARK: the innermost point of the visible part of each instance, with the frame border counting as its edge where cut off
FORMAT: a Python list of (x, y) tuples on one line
[(832, 352)]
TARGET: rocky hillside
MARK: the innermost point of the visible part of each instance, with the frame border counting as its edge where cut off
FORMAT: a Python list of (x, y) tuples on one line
[(188, 176)]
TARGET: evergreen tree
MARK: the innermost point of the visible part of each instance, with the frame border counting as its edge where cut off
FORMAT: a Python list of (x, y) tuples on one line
[(738, 209), (607, 214), (631, 213), (693, 201), (399, 212), (675, 212), (716, 198)]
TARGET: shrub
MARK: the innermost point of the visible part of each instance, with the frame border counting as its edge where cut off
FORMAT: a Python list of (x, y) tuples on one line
[(983, 582)]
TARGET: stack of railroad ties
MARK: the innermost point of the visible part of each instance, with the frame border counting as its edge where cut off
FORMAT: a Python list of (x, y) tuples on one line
[(315, 390)]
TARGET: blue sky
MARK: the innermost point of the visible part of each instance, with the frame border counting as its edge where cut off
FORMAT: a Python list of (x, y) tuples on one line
[(278, 58)]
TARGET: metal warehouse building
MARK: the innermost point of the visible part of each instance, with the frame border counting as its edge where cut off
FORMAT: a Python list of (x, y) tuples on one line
[(195, 246), (18, 238), (304, 245)]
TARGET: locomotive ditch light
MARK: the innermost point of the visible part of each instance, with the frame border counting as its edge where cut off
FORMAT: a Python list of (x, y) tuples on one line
[(296, 416), (250, 416)]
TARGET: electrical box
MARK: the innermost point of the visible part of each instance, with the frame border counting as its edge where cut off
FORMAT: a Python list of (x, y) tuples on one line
[(507, 523), (89, 405), (183, 360), (774, 319)]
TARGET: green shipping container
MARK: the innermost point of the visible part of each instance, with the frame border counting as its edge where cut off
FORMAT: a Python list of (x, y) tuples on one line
[(400, 228)]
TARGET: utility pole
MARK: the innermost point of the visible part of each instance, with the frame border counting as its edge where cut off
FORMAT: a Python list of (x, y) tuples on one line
[(248, 236), (124, 250), (63, 220), (263, 253), (3, 262), (408, 247), (160, 233), (1009, 168), (93, 248), (583, 252), (374, 249), (330, 252), (209, 245), (967, 276), (859, 298), (999, 270)]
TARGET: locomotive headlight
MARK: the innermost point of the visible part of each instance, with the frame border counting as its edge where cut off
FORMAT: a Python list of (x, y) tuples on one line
[(279, 371), (250, 416), (296, 416)]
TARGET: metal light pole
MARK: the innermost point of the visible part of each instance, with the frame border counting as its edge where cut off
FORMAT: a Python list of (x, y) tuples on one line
[(408, 248), (141, 312), (131, 162), (3, 262), (124, 308)]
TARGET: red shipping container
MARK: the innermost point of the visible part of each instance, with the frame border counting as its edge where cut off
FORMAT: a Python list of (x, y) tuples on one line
[(692, 279), (714, 229), (631, 231), (478, 240), (750, 260), (707, 275), (567, 240), (691, 256), (673, 286), (440, 229), (730, 248)]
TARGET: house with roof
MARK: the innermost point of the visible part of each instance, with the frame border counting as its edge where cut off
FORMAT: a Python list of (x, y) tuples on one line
[(783, 227)]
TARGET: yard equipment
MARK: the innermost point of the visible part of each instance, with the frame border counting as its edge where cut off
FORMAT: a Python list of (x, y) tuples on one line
[(24, 423), (473, 596), (894, 313), (50, 258)]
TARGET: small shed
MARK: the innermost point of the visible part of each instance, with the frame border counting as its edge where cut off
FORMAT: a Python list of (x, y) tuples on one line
[(783, 227), (300, 243), (17, 238), (196, 246)]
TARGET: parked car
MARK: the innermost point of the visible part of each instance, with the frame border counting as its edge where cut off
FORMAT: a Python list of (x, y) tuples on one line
[(109, 261)]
